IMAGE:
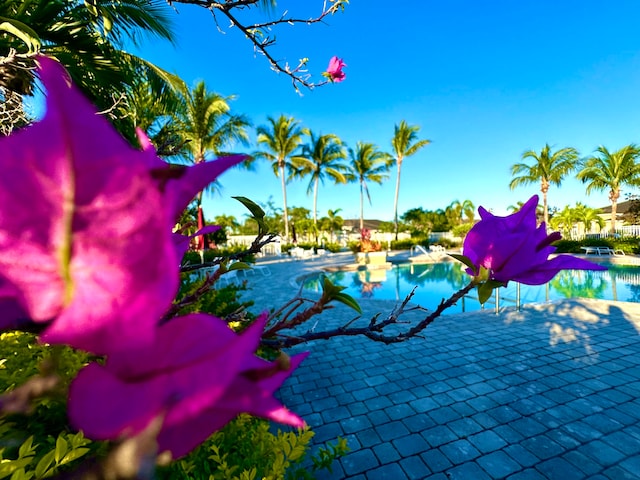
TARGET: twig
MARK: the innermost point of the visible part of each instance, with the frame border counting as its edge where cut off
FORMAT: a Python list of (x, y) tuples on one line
[(253, 32), (374, 330)]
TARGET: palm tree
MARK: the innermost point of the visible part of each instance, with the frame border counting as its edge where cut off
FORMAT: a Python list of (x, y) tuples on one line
[(548, 168), (588, 216), (227, 222), (334, 222), (150, 105), (322, 158), (405, 143), (611, 170), (86, 37), (206, 126), (564, 220), (281, 139), (457, 212), (368, 164)]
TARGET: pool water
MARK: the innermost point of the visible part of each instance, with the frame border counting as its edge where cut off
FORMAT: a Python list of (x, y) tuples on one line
[(438, 281)]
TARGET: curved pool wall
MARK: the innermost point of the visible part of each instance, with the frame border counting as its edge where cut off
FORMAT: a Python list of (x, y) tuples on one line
[(437, 281)]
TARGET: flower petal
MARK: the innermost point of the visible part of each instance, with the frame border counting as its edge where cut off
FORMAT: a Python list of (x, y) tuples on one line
[(81, 209)]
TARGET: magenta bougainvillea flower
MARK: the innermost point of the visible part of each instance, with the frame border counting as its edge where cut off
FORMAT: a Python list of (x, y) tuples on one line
[(334, 70), (181, 242), (85, 225), (198, 375), (513, 248)]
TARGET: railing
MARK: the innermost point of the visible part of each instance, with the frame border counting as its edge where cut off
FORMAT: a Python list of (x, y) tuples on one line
[(416, 248), (620, 232), (497, 298)]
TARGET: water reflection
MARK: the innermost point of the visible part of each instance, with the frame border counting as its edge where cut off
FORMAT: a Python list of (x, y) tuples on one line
[(578, 283), (449, 272), (366, 281), (438, 280)]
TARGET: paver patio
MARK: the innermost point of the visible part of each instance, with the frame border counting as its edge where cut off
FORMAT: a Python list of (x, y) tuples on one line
[(548, 392)]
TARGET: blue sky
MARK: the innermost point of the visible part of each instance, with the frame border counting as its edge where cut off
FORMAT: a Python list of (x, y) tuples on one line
[(485, 81)]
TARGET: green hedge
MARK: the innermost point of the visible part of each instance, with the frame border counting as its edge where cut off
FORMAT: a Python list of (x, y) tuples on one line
[(629, 245)]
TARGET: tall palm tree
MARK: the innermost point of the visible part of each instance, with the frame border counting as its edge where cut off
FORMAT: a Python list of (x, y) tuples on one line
[(548, 168), (86, 37), (368, 164), (204, 120), (611, 170), (322, 158), (405, 143), (206, 126), (281, 138), (150, 105)]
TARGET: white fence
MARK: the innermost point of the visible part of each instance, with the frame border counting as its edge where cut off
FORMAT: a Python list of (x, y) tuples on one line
[(435, 237), (624, 231)]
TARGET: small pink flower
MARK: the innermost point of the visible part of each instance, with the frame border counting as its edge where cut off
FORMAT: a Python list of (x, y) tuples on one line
[(334, 70), (198, 375)]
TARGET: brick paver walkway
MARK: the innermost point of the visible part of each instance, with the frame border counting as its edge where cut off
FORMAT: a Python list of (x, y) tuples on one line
[(550, 392)]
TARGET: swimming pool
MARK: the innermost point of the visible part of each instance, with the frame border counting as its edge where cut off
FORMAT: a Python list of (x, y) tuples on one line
[(439, 280)]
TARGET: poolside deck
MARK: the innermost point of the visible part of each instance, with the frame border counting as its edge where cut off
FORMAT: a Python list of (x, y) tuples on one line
[(549, 392)]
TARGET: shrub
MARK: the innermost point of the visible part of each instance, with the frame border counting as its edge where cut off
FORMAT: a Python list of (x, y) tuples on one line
[(193, 257), (568, 246), (449, 243), (40, 445), (407, 244), (333, 247), (245, 449), (629, 245), (30, 450)]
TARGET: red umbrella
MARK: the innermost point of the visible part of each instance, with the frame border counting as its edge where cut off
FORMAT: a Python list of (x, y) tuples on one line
[(200, 238)]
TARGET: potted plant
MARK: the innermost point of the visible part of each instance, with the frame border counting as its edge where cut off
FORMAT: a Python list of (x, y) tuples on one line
[(369, 252)]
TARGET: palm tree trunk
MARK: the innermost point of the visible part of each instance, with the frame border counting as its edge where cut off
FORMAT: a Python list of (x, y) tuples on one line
[(284, 200), (544, 188), (614, 214), (395, 202), (315, 209), (613, 196), (361, 208)]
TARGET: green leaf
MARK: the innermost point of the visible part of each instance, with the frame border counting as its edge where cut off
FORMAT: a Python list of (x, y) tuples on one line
[(238, 266), (22, 31), (329, 289), (466, 261), (43, 465), (27, 449), (74, 455), (21, 475), (91, 6), (253, 207), (108, 23), (61, 449), (484, 292), (348, 300), (485, 289)]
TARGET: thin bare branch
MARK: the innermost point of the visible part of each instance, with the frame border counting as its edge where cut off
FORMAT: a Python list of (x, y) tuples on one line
[(374, 330), (255, 32)]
